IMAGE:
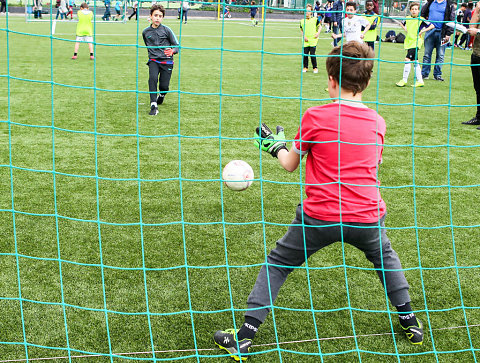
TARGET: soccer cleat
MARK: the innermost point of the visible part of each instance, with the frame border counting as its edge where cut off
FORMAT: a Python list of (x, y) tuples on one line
[(414, 333), (153, 110), (315, 70), (160, 99), (74, 57), (418, 84), (304, 70), (401, 83), (473, 121), (226, 341), (439, 78)]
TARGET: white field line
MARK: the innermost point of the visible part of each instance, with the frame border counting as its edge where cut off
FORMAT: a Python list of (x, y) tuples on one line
[(212, 349)]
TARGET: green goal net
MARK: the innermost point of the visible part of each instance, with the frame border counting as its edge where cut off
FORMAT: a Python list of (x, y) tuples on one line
[(120, 242)]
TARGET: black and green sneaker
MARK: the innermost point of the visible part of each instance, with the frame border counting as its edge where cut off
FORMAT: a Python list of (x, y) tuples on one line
[(226, 340), (414, 333)]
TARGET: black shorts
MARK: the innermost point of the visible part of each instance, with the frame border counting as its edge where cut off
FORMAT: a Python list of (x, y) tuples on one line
[(412, 54), (327, 20), (118, 12)]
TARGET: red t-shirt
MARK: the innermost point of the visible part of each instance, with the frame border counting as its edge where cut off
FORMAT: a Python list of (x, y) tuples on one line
[(358, 146)]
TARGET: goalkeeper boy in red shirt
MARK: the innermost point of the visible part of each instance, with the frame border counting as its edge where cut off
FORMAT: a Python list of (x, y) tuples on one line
[(344, 142)]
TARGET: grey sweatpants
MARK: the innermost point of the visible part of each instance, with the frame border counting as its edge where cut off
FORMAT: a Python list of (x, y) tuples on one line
[(290, 252)]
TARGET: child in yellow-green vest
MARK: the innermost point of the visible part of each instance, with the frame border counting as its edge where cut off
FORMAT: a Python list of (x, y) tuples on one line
[(371, 35), (310, 27), (415, 26), (84, 30)]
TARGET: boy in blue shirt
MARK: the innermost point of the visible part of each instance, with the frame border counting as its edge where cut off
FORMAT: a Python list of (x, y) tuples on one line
[(438, 12)]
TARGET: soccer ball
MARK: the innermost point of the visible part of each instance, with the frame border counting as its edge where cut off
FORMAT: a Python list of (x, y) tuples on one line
[(237, 175)]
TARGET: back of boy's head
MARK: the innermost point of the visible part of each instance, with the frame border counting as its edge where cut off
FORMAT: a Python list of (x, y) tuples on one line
[(464, 5), (356, 69), (351, 3), (157, 7), (84, 6), (414, 4), (309, 6)]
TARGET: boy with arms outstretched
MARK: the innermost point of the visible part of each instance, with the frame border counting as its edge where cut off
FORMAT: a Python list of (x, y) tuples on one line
[(344, 143), (159, 38), (352, 25), (415, 27)]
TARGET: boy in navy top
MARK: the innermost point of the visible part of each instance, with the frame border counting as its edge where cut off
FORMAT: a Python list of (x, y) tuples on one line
[(253, 12), (344, 143), (162, 45)]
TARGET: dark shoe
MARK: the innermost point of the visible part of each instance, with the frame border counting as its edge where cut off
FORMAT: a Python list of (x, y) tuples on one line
[(473, 121), (439, 78), (226, 340), (414, 333), (160, 99), (153, 111)]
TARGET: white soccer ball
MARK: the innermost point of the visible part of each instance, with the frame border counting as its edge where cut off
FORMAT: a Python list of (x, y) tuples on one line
[(237, 175)]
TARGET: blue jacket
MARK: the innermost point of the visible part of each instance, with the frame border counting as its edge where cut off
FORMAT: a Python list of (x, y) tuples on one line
[(338, 11), (449, 15)]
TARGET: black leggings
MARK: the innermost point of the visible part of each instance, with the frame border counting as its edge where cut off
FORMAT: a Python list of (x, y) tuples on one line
[(3, 7), (155, 70), (475, 67), (306, 52), (134, 13)]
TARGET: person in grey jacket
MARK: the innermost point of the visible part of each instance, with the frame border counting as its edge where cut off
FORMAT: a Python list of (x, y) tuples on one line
[(162, 45)]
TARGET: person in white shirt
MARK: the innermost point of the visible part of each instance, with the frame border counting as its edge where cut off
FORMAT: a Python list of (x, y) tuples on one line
[(352, 25)]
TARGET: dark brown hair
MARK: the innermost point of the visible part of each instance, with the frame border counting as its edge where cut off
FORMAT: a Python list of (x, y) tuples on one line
[(355, 61), (84, 6), (414, 4), (351, 3), (157, 7)]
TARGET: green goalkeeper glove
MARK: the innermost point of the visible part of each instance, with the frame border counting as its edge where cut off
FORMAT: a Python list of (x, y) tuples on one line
[(270, 142)]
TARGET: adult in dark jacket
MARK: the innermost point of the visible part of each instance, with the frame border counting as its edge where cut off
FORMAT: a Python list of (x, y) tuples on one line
[(338, 10), (437, 12)]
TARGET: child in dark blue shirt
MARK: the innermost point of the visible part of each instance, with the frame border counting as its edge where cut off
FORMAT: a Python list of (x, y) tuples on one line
[(253, 12)]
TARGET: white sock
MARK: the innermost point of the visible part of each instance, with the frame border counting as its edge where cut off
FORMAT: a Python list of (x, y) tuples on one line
[(406, 71), (153, 104), (418, 73)]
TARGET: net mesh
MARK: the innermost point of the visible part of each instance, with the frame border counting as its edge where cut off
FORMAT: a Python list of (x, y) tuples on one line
[(121, 243)]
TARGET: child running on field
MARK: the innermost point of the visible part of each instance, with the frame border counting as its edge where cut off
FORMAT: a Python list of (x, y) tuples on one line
[(253, 13), (343, 199), (84, 30), (415, 27), (310, 27), (118, 10), (162, 45)]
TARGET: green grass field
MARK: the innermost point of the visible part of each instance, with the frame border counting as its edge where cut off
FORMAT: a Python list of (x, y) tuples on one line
[(116, 231)]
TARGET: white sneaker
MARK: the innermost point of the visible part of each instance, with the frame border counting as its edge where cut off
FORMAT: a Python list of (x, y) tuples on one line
[(315, 70)]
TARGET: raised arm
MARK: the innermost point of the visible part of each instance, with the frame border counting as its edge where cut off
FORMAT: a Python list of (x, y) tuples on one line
[(275, 145)]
